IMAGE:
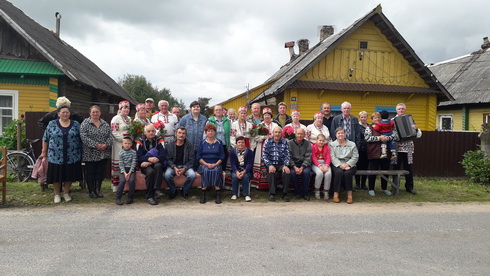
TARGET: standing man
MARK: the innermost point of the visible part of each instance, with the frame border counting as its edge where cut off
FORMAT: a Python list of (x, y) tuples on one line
[(151, 157), (276, 159), (149, 105), (180, 158), (300, 163), (176, 111), (194, 122), (255, 117), (169, 119), (223, 125), (405, 150), (282, 119), (349, 123), (327, 115)]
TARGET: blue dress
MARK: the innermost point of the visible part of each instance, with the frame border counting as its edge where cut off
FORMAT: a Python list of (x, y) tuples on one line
[(211, 153)]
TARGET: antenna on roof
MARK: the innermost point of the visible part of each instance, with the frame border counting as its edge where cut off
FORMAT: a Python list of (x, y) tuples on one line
[(57, 15)]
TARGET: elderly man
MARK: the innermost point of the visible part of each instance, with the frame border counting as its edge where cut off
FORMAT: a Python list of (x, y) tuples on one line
[(176, 111), (149, 105), (255, 117), (349, 123), (180, 158), (327, 115), (276, 159), (151, 158), (282, 119), (300, 163), (194, 122), (169, 119)]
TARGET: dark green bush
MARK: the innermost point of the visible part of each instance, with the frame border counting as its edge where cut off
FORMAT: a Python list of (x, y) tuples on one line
[(477, 167), (9, 136)]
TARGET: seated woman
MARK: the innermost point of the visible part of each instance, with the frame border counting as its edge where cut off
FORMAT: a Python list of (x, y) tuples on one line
[(320, 157), (313, 130), (344, 156), (210, 154), (241, 159)]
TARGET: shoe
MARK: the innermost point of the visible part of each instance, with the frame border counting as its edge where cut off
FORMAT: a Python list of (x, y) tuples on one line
[(336, 200), (272, 198), (129, 200), (217, 199), (317, 195), (383, 156), (286, 198), (233, 197), (202, 199), (152, 201), (92, 195), (387, 192), (306, 197), (325, 195), (364, 187), (372, 193), (118, 201), (298, 196), (349, 200), (57, 199), (248, 199), (67, 197), (411, 191), (158, 194), (172, 195), (185, 196)]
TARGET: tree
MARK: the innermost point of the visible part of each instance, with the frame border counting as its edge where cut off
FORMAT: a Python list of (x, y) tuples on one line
[(141, 89), (203, 102)]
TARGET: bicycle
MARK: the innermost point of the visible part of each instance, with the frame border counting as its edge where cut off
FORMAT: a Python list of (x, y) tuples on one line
[(21, 162)]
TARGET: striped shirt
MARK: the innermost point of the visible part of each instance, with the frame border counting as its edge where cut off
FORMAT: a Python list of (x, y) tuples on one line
[(127, 159)]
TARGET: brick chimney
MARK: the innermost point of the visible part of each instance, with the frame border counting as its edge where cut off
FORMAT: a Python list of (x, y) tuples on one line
[(486, 43), (325, 32), (290, 45), (303, 45)]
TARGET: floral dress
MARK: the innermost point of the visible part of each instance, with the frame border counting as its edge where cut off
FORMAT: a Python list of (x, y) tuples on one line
[(259, 170)]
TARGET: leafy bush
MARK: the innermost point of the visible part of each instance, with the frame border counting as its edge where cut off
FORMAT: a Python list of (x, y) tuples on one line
[(477, 166), (9, 136)]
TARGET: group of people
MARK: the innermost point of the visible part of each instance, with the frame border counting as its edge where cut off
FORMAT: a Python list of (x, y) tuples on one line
[(259, 148)]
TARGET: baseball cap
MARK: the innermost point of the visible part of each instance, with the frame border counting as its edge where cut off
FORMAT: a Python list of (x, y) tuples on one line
[(149, 100)]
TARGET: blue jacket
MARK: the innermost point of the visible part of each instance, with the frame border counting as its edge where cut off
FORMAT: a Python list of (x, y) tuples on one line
[(249, 160), (195, 129)]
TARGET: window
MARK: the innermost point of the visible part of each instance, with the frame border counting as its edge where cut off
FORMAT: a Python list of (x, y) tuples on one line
[(486, 118), (8, 108), (446, 122), (363, 44)]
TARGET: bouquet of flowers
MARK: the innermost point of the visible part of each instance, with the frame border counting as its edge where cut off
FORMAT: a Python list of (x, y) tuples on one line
[(135, 129), (288, 133), (160, 126), (259, 129)]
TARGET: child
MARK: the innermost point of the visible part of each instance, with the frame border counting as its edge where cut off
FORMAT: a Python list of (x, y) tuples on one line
[(385, 127), (127, 165)]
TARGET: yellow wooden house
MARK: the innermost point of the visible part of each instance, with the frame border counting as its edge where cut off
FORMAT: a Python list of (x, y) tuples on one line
[(368, 64), (36, 67)]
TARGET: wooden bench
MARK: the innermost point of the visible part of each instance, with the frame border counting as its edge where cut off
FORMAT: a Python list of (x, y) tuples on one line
[(395, 185)]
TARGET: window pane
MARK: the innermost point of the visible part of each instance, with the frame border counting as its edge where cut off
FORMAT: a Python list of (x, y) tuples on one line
[(5, 101), (446, 124), (6, 112)]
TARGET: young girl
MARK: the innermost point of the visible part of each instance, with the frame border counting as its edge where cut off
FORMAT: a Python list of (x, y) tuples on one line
[(320, 157)]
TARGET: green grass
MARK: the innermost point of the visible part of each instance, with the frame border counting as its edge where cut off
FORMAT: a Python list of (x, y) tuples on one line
[(428, 190)]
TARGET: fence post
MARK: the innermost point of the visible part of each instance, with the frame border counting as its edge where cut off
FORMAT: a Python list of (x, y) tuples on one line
[(19, 135)]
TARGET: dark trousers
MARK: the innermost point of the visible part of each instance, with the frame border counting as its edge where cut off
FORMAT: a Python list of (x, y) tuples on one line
[(153, 177), (305, 177), (378, 164), (403, 160), (94, 173), (122, 183), (341, 175), (227, 154), (271, 178), (362, 164)]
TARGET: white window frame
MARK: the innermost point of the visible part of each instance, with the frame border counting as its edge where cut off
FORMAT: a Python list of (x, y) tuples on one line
[(15, 104), (446, 116)]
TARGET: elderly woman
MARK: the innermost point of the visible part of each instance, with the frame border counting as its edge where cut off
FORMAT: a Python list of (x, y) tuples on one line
[(241, 159), (119, 126), (232, 115), (242, 128), (373, 153), (141, 114), (362, 164), (313, 130), (259, 167), (210, 154), (295, 124), (320, 157), (344, 156), (97, 141), (63, 147)]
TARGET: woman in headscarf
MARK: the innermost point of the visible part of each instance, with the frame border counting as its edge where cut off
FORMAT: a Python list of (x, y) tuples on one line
[(119, 126)]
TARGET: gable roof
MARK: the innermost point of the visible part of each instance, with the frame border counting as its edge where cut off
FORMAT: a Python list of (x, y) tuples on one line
[(466, 78), (289, 73), (67, 59)]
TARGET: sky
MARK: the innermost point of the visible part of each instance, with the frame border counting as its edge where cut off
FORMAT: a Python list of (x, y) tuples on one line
[(218, 48)]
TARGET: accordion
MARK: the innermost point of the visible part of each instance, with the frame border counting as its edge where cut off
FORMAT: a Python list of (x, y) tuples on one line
[(404, 127)]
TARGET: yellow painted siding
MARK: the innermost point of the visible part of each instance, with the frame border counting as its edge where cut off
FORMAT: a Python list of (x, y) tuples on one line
[(457, 116), (31, 97), (476, 118), (381, 63)]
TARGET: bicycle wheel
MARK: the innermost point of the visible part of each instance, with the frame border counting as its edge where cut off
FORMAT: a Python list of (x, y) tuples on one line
[(20, 166)]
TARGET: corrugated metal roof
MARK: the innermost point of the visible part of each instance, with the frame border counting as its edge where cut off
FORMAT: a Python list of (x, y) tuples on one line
[(466, 78), (29, 67), (361, 87), (296, 68)]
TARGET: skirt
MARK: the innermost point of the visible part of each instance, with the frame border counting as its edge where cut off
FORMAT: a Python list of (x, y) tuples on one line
[(64, 173), (211, 177)]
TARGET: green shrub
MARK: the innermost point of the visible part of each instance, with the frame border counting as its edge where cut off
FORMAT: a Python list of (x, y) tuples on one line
[(477, 167), (9, 136)]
